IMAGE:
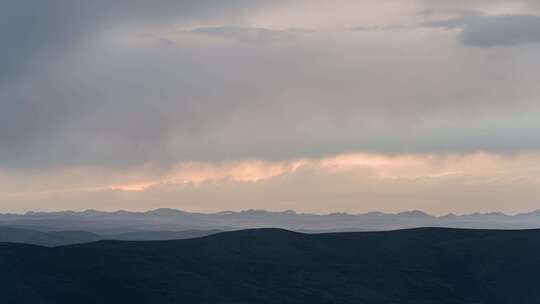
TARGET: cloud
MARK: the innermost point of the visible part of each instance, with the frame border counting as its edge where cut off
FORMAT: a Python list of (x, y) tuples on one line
[(258, 35), (111, 84), (244, 34), (379, 28), (32, 31), (494, 30)]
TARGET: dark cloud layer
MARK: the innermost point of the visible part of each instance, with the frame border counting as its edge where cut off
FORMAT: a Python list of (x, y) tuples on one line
[(496, 30), (46, 91), (123, 83), (30, 30), (244, 34)]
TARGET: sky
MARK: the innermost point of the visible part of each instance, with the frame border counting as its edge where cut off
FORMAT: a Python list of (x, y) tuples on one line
[(317, 106)]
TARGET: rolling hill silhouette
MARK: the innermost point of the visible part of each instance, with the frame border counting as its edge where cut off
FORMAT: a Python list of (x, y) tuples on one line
[(67, 237), (426, 265), (52, 238)]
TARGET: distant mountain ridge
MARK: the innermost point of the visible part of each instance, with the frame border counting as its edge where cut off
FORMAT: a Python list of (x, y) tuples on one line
[(166, 219)]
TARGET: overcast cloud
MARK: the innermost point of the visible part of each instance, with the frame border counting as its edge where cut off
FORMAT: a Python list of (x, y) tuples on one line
[(135, 88), (480, 30)]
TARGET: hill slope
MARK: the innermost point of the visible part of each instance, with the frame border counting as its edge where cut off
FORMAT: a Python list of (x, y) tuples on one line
[(59, 238), (56, 238), (160, 235), (427, 265)]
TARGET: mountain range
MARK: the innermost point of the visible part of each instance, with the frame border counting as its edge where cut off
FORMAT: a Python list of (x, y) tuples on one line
[(118, 222)]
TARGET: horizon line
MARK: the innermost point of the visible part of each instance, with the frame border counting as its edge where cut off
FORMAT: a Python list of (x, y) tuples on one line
[(289, 211)]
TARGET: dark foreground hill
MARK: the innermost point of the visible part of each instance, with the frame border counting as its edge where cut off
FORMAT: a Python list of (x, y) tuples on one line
[(427, 265)]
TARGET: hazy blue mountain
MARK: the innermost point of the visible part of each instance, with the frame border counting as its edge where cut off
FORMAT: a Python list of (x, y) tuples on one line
[(428, 265), (74, 237), (19, 235), (58, 238), (118, 222)]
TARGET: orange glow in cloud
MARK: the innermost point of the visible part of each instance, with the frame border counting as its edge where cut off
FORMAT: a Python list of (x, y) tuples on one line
[(200, 172), (244, 171), (382, 166), (131, 187)]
